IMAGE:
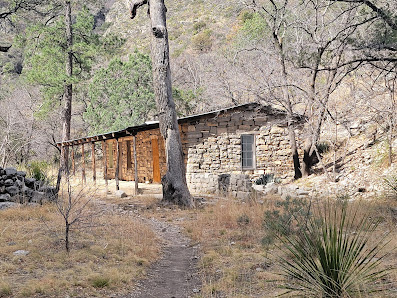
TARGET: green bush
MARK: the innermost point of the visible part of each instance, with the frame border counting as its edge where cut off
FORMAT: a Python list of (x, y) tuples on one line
[(100, 282), (202, 41), (322, 147), (289, 217), (199, 26), (333, 256), (267, 178), (38, 170)]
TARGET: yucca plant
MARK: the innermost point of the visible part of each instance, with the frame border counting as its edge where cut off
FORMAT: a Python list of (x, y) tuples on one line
[(333, 257)]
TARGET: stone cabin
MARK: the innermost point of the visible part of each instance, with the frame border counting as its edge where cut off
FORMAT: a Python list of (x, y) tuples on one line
[(224, 150)]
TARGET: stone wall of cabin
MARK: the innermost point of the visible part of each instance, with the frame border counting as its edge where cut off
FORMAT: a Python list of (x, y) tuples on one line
[(212, 147), (212, 151)]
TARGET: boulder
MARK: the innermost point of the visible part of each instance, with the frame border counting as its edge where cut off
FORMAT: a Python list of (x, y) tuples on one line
[(8, 182), (28, 192), (37, 197), (6, 205), (21, 252), (21, 173), (271, 188), (120, 193), (12, 190), (30, 182), (49, 191), (5, 197), (260, 187), (18, 183), (10, 171)]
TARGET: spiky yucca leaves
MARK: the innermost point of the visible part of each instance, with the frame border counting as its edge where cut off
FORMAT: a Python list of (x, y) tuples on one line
[(333, 257)]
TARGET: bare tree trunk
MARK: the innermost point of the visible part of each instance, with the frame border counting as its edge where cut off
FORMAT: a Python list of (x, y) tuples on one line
[(174, 182), (287, 101), (67, 109)]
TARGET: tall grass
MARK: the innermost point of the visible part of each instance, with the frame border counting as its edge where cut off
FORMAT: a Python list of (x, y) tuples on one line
[(334, 256)]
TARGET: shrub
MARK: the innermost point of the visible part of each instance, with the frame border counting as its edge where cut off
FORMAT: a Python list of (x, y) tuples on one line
[(333, 256), (199, 26), (390, 183), (243, 220), (245, 15), (289, 217), (202, 41), (100, 282), (5, 289), (322, 147), (38, 170), (267, 178)]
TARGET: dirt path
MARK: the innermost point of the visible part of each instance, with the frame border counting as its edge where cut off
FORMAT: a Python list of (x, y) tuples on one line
[(175, 274)]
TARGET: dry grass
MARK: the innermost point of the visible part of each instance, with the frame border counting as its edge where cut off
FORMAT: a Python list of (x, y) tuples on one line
[(105, 257), (234, 261)]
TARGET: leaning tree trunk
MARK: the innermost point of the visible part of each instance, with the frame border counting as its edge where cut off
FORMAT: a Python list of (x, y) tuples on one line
[(67, 108), (174, 182)]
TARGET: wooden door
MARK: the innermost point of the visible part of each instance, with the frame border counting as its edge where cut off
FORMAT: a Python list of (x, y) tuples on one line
[(156, 160)]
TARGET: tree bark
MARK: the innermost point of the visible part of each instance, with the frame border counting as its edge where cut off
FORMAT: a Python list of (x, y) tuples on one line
[(287, 101), (174, 182), (67, 108)]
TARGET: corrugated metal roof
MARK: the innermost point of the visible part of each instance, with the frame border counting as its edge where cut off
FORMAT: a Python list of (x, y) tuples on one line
[(151, 125)]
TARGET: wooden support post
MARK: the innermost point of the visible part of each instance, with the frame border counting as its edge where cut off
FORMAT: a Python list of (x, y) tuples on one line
[(73, 162), (117, 164), (84, 180), (135, 167), (93, 161), (105, 164)]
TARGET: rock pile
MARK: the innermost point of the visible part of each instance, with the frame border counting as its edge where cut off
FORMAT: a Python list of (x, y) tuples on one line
[(15, 187)]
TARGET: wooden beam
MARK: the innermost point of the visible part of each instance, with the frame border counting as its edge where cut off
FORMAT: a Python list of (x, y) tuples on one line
[(135, 167), (73, 162), (105, 163), (93, 161), (117, 164), (84, 180)]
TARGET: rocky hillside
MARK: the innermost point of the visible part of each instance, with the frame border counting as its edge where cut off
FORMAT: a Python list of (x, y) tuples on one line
[(188, 22)]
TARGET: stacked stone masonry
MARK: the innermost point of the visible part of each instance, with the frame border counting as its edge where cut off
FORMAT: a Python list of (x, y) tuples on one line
[(212, 151)]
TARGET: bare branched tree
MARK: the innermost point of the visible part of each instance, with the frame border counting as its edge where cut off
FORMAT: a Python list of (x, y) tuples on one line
[(73, 207)]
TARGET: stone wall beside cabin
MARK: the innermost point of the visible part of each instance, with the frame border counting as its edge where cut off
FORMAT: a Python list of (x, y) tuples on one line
[(212, 147)]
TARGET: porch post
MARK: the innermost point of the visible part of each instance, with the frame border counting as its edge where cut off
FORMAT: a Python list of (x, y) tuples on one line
[(73, 161), (105, 164), (135, 167), (117, 164), (84, 180), (93, 161)]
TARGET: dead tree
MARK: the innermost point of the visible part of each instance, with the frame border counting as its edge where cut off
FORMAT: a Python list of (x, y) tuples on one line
[(175, 189)]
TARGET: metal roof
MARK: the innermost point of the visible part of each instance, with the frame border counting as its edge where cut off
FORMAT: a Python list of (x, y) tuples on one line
[(133, 130)]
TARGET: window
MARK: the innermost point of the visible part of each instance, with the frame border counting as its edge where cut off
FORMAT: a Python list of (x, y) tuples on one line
[(110, 146), (129, 159), (247, 151)]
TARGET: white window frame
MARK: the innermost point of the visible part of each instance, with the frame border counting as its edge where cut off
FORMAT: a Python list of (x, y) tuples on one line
[(253, 152)]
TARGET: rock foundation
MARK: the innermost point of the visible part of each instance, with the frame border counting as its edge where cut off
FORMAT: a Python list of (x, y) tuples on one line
[(15, 187)]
